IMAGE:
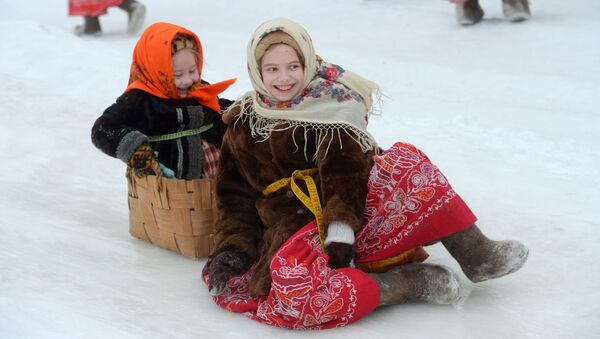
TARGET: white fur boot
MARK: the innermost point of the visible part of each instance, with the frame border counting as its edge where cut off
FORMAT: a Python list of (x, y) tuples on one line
[(417, 283), (516, 10), (137, 15), (481, 258)]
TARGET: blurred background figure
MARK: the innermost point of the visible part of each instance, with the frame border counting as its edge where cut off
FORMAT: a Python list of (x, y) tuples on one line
[(92, 9), (468, 12)]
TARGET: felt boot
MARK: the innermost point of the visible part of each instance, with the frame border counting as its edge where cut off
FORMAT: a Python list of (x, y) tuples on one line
[(136, 12), (469, 12), (91, 27), (481, 258), (516, 10), (417, 282)]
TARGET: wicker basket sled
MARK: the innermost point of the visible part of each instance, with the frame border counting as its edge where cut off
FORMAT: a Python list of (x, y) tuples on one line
[(174, 214)]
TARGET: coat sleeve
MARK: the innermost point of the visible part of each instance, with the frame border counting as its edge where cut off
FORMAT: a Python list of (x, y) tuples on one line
[(115, 132), (343, 172), (220, 126), (238, 225), (225, 103)]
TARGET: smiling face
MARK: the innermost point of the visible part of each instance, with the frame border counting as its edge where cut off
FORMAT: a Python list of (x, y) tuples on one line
[(282, 72), (185, 70)]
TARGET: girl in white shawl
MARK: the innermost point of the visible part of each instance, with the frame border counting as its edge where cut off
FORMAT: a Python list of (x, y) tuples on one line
[(298, 142)]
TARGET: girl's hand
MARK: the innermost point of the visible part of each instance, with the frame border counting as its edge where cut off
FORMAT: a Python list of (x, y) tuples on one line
[(167, 172), (223, 266), (340, 254)]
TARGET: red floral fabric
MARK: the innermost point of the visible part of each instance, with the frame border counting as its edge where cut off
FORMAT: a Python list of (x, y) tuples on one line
[(305, 293), (409, 203), (91, 7)]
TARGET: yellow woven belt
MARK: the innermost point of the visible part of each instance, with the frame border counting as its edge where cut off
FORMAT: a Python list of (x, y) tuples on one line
[(311, 201)]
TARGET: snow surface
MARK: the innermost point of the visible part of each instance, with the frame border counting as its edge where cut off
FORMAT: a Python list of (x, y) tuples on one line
[(509, 112)]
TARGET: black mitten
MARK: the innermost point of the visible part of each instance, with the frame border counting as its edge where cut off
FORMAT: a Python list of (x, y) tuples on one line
[(340, 254), (224, 265)]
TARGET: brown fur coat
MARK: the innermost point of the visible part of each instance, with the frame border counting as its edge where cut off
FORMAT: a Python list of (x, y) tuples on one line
[(245, 217)]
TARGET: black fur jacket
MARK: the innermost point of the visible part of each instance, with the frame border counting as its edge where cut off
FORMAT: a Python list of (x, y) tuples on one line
[(136, 115)]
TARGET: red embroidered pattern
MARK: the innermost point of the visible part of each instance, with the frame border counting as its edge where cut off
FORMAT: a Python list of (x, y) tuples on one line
[(306, 293), (405, 188), (409, 203)]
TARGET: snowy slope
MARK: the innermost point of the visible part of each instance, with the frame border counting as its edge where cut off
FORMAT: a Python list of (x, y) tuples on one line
[(509, 112)]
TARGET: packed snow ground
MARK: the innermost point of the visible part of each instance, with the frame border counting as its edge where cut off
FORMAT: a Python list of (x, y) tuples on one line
[(509, 112)]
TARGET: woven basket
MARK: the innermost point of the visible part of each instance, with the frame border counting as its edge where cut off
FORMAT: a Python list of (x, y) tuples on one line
[(174, 214)]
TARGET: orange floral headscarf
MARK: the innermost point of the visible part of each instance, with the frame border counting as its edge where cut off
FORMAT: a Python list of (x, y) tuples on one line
[(152, 68)]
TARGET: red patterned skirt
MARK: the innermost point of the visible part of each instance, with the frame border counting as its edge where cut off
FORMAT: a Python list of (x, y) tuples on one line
[(91, 7), (409, 204)]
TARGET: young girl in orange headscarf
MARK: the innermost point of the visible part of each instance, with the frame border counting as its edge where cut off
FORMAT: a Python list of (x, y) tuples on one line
[(167, 110)]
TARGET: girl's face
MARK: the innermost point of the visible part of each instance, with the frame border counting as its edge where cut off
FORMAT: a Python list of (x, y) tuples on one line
[(282, 72), (185, 69)]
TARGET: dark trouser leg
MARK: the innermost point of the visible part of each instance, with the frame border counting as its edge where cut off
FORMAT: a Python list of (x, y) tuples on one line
[(91, 26), (417, 283), (469, 12), (481, 258)]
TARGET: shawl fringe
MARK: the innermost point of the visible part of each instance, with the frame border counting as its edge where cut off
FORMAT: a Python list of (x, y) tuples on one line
[(262, 127)]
